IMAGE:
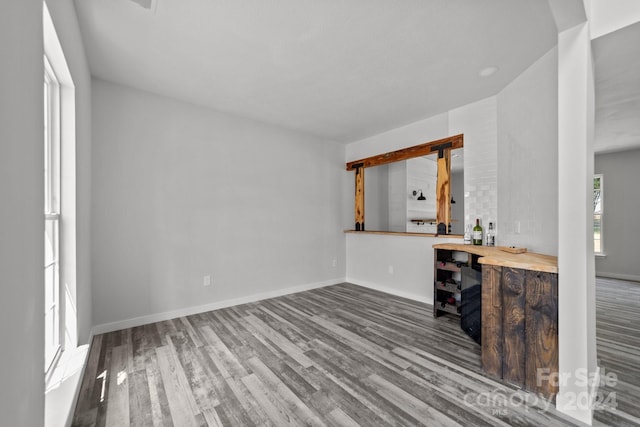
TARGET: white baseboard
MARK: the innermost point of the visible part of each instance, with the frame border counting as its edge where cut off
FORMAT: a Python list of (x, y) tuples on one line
[(187, 311), (593, 388), (574, 404), (389, 290), (630, 277)]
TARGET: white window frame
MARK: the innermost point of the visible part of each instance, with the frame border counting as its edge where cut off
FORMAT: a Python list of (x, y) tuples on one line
[(61, 205), (598, 211), (52, 310)]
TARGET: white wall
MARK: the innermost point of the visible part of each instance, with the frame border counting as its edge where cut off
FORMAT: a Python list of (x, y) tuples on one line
[(527, 158), (182, 192), (621, 227), (21, 215), (576, 279), (399, 265), (607, 16), (426, 130)]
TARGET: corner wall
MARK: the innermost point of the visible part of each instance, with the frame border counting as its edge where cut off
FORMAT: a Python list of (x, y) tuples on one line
[(183, 192), (21, 215)]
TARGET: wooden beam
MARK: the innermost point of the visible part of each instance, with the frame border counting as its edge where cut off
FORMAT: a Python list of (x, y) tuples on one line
[(359, 206), (443, 190), (407, 153)]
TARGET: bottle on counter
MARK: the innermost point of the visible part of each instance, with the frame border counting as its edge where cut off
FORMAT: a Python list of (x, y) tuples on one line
[(477, 233), (467, 235), (491, 235)]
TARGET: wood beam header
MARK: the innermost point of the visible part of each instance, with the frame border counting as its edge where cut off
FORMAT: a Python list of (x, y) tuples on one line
[(406, 153)]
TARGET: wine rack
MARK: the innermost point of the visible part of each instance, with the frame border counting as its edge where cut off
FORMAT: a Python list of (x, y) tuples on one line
[(447, 287)]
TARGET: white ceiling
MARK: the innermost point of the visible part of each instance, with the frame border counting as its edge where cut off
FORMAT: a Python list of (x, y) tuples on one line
[(338, 69), (617, 82)]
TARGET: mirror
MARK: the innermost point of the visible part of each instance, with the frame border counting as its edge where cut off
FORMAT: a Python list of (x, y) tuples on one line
[(401, 196), (442, 149)]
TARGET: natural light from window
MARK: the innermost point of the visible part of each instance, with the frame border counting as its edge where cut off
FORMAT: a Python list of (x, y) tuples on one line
[(597, 214), (51, 213)]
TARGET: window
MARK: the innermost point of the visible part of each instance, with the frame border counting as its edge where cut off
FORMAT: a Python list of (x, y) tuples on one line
[(60, 313), (51, 214), (597, 214)]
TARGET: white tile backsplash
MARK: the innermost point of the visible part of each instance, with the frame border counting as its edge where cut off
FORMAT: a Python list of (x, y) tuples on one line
[(478, 123)]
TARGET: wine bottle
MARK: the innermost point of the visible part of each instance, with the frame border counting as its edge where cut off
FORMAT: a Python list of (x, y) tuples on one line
[(467, 235), (477, 233), (491, 235)]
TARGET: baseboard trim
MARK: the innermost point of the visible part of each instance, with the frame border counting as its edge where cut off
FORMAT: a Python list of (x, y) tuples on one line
[(630, 277), (390, 290), (187, 311), (574, 404), (593, 388)]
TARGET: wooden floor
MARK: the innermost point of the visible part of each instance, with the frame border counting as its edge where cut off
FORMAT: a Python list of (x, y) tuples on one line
[(339, 355), (618, 337)]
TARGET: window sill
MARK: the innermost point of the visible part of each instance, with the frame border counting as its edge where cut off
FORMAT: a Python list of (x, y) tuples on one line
[(62, 386), (600, 255)]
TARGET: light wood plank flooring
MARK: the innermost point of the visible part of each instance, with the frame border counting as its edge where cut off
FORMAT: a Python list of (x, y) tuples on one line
[(342, 355)]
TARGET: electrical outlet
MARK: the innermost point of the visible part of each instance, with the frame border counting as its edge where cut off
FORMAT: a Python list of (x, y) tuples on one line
[(391, 269), (206, 281), (334, 263), (517, 227)]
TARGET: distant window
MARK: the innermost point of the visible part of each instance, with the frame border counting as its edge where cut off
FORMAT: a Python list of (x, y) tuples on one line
[(597, 214)]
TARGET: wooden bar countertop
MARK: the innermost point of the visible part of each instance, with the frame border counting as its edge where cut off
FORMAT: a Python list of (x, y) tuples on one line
[(493, 256)]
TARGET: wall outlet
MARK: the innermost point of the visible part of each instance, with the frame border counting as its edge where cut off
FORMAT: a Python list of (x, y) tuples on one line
[(334, 263), (391, 269), (516, 227), (206, 281)]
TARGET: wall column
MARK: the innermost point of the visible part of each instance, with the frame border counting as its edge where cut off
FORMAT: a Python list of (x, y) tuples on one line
[(576, 289)]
